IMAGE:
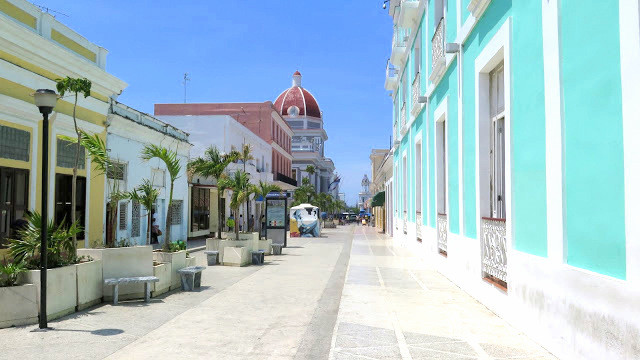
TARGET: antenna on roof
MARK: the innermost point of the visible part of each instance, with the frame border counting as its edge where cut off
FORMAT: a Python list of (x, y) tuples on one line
[(184, 82), (49, 10)]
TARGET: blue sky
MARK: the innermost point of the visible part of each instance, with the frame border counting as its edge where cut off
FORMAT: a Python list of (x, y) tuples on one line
[(247, 50)]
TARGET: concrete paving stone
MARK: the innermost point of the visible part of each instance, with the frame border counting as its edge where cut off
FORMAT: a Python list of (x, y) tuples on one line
[(505, 352), (418, 353), (350, 341), (350, 328), (459, 348), (381, 250), (377, 352), (416, 338)]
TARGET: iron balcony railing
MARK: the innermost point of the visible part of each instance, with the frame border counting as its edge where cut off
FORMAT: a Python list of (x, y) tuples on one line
[(437, 44), (494, 249), (403, 114), (442, 233), (391, 72), (419, 225)]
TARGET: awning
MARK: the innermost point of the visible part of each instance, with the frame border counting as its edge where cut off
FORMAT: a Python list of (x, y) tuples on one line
[(378, 199)]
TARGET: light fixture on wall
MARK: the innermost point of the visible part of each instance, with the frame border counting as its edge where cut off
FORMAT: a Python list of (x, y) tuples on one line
[(384, 4)]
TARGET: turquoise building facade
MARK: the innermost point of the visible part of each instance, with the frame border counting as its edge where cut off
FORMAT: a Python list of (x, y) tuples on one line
[(515, 160)]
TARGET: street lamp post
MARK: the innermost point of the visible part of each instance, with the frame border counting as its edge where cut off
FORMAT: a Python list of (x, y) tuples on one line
[(45, 100)]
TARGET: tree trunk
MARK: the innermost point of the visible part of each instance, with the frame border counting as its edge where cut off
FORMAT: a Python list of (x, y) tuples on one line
[(149, 226), (75, 176), (235, 225), (167, 234)]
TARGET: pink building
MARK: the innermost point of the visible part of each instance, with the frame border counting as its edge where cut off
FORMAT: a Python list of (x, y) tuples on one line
[(261, 118)]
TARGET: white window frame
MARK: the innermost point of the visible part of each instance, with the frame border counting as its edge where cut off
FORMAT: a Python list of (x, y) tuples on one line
[(418, 178), (154, 172), (442, 166), (497, 143), (405, 189)]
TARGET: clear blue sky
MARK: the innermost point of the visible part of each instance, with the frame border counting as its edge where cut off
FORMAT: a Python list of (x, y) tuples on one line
[(247, 50)]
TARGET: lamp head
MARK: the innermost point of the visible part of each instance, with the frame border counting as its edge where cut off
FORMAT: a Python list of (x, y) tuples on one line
[(45, 100)]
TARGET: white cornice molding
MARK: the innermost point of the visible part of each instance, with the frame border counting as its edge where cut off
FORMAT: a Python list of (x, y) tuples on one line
[(44, 53), (477, 7)]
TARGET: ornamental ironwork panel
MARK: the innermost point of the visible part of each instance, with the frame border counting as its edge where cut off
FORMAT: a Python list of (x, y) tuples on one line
[(494, 249), (419, 225), (123, 215), (437, 44), (14, 143), (404, 223), (175, 217), (415, 91), (442, 232), (403, 115), (135, 219)]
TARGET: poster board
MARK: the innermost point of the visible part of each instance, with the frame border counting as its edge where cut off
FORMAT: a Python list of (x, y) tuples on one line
[(276, 218)]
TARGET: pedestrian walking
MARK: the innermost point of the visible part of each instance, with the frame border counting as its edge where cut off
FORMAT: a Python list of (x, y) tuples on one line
[(250, 224)]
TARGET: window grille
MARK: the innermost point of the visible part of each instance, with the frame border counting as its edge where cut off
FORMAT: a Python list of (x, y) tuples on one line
[(157, 177), (176, 212), (135, 219), (117, 171), (14, 143), (66, 154), (123, 215)]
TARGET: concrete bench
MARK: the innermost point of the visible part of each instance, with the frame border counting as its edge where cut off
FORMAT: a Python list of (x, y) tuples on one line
[(276, 249), (147, 280), (257, 257), (212, 257), (190, 277)]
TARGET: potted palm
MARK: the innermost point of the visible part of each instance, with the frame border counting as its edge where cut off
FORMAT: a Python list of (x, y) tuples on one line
[(241, 189), (18, 300), (62, 270)]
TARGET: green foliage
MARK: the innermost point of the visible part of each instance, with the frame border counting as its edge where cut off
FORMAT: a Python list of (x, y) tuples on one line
[(177, 246), (146, 195), (213, 163), (124, 242), (310, 169), (304, 193), (9, 272), (76, 86), (241, 191), (60, 249)]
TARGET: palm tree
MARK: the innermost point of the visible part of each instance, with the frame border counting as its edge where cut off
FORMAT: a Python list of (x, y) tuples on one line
[(241, 188), (213, 164), (303, 193), (146, 195), (263, 189), (245, 156), (171, 161), (74, 86)]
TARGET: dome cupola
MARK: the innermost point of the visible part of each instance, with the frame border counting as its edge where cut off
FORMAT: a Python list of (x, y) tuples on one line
[(297, 101)]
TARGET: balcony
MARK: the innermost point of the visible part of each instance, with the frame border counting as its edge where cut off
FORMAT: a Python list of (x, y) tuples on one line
[(403, 119), (477, 7), (419, 225), (391, 81), (441, 223), (404, 223), (438, 60), (409, 14), (494, 250), (399, 46), (416, 91)]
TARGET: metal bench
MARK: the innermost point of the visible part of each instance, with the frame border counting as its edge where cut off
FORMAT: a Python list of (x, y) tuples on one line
[(190, 277), (257, 257), (212, 257), (276, 249), (147, 280)]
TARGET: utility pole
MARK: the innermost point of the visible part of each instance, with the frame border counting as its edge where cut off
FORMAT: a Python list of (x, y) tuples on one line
[(184, 82)]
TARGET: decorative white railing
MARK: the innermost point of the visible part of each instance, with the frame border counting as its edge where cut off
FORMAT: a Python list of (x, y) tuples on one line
[(404, 222), (419, 225), (437, 44), (442, 233), (399, 37), (403, 114), (415, 92), (494, 248)]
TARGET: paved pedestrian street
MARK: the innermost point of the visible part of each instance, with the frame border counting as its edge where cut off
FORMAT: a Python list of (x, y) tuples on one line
[(348, 295)]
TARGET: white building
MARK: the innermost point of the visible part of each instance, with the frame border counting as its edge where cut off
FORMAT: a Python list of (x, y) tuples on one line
[(128, 131), (225, 133)]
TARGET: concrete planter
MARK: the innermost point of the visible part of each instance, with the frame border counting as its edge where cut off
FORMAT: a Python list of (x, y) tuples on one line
[(233, 243), (191, 261), (254, 236), (236, 256), (89, 282), (62, 290), (162, 272), (213, 244), (177, 260), (19, 305), (264, 245), (123, 262)]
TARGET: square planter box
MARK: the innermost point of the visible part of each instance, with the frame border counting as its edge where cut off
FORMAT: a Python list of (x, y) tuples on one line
[(89, 282), (263, 245), (213, 244), (123, 262), (254, 236), (236, 256), (19, 305), (62, 291), (191, 261), (162, 272), (233, 243), (177, 260)]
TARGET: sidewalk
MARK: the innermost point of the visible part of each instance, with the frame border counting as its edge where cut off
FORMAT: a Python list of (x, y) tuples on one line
[(393, 307)]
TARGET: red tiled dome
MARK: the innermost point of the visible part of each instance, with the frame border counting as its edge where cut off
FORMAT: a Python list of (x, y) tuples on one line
[(297, 96)]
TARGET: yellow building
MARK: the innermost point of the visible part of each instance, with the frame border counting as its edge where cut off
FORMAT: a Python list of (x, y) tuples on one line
[(35, 50), (381, 175)]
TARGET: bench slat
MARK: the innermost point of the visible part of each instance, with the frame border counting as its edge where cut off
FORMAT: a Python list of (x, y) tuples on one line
[(191, 269), (131, 280)]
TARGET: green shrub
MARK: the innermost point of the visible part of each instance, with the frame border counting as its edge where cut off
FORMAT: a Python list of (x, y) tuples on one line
[(9, 272), (177, 246)]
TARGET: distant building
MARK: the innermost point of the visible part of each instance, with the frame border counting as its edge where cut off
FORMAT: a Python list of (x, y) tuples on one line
[(301, 110), (365, 194), (381, 188)]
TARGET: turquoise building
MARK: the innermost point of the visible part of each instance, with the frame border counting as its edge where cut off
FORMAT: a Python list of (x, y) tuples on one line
[(515, 152)]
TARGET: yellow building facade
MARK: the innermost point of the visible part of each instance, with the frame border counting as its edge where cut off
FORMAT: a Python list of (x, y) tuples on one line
[(35, 50)]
